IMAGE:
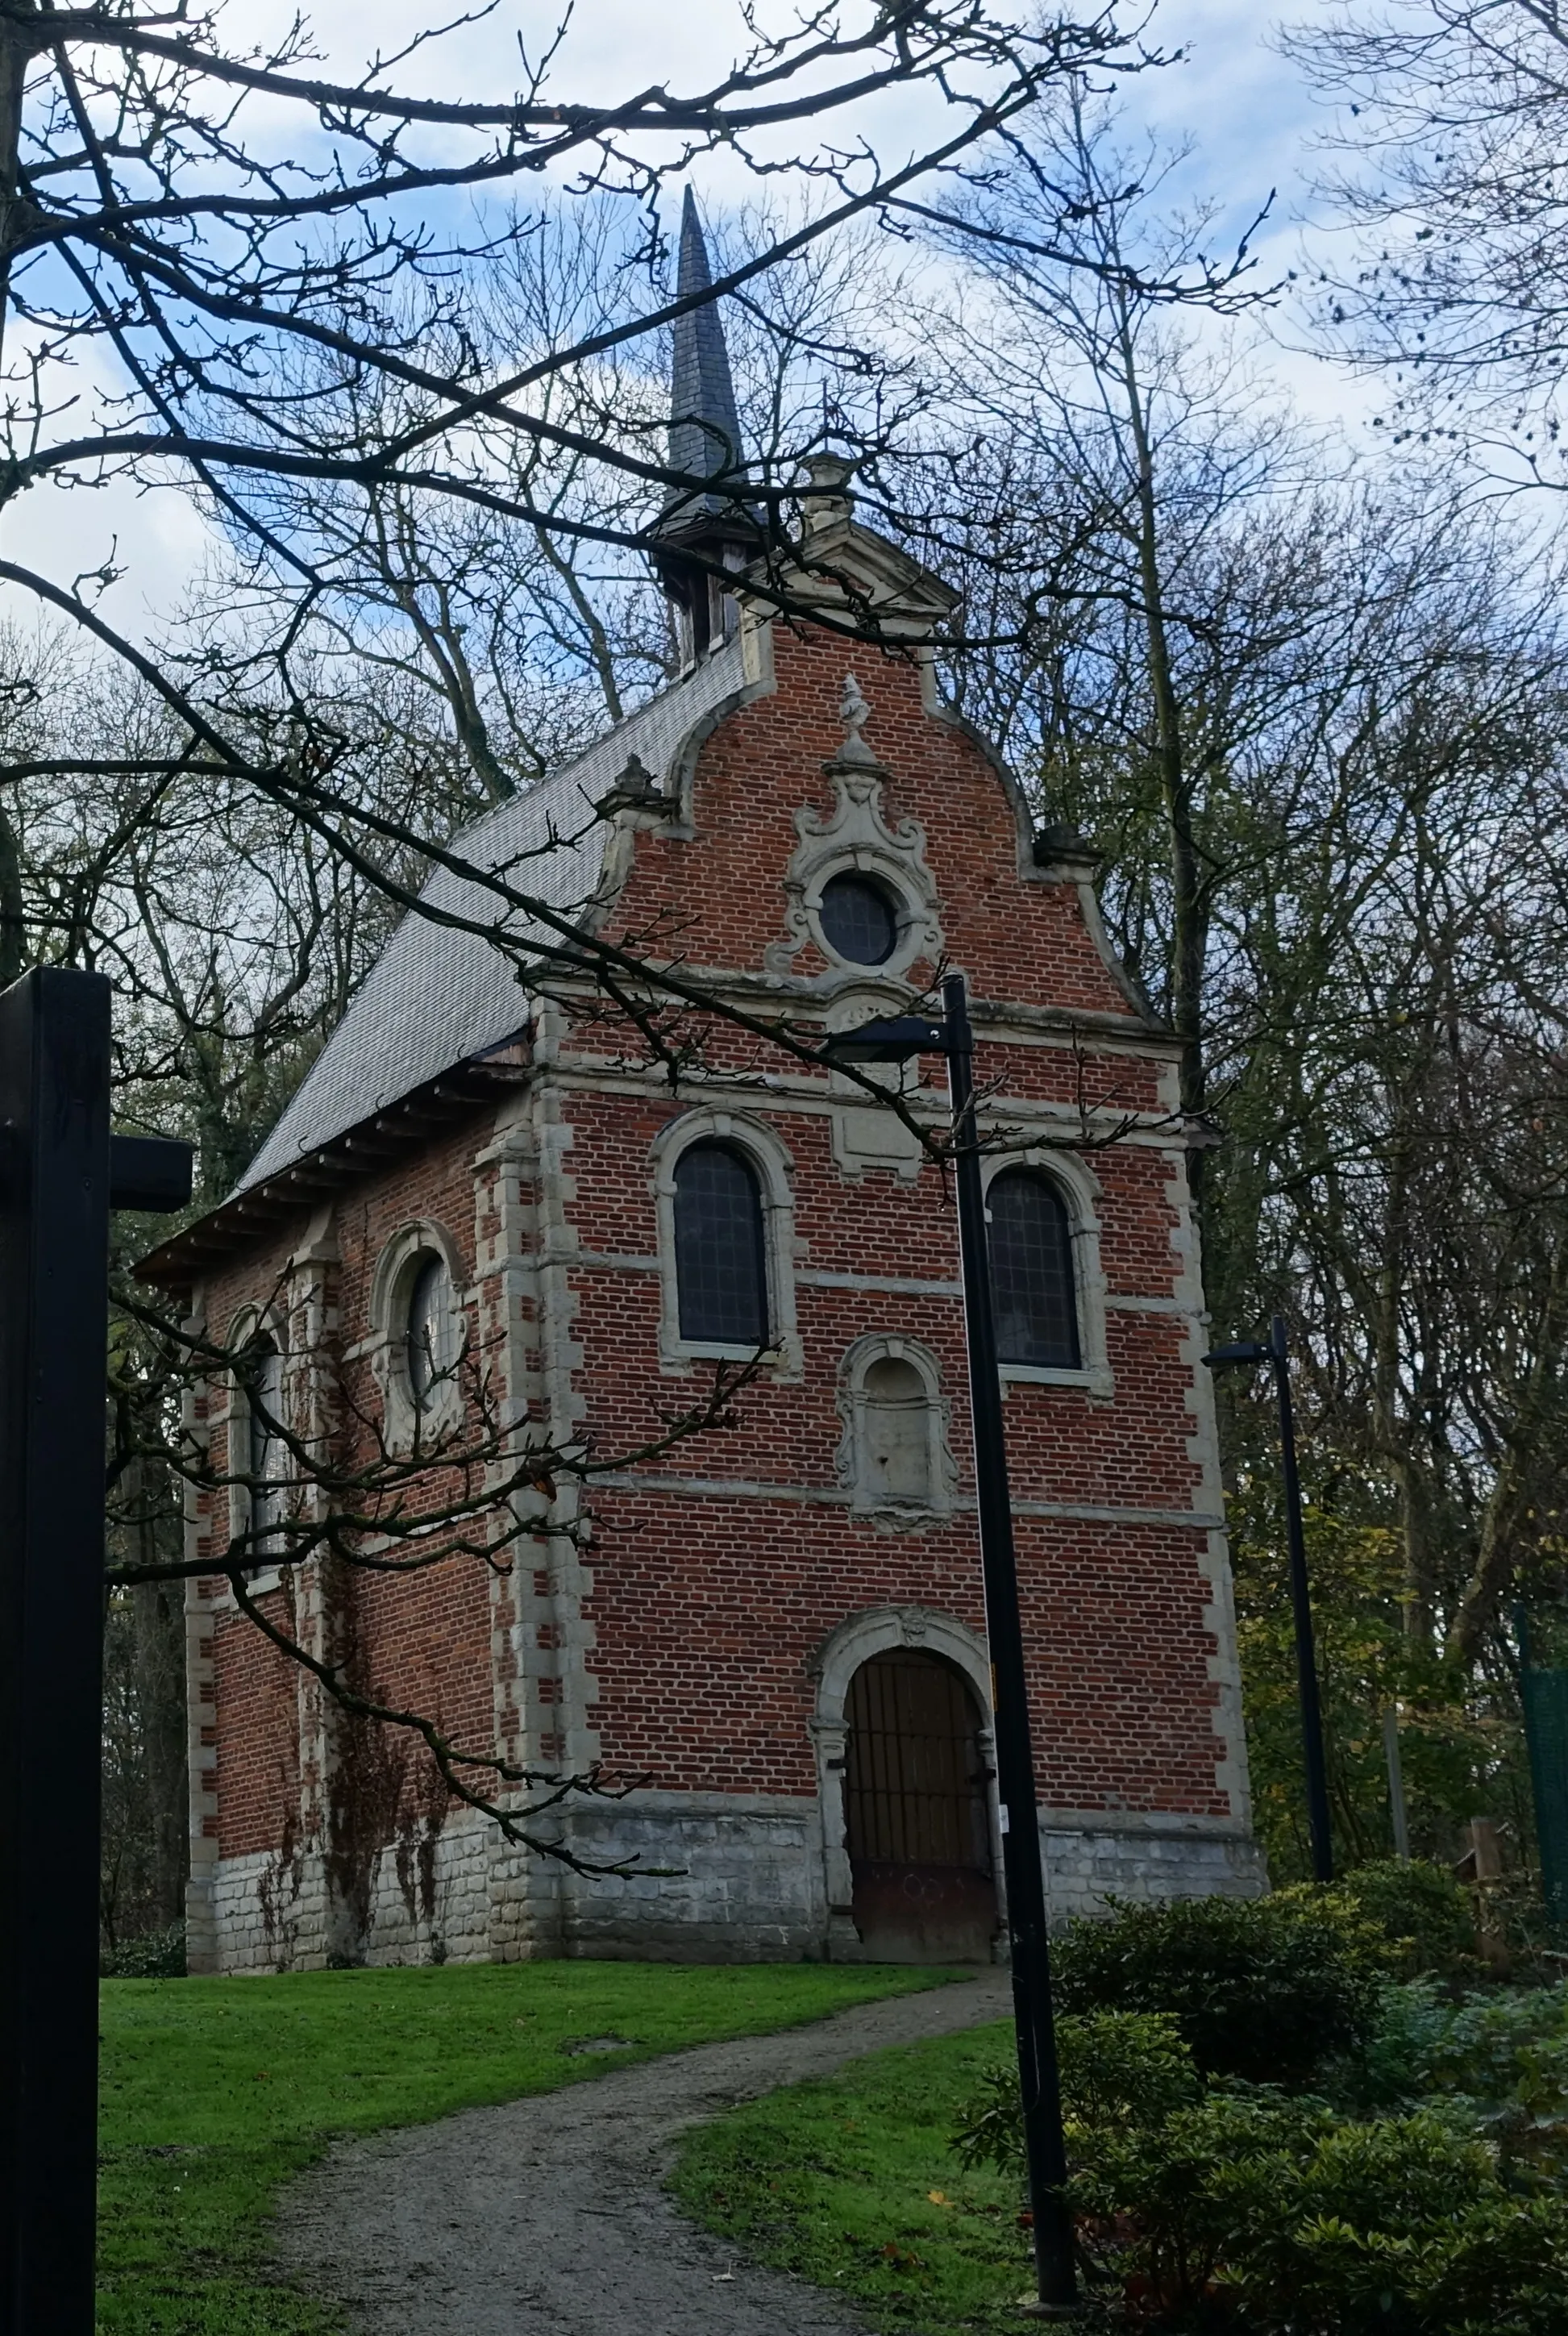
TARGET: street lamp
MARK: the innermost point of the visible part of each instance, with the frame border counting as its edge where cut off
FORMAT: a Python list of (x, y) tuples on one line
[(1277, 1352), (898, 1040)]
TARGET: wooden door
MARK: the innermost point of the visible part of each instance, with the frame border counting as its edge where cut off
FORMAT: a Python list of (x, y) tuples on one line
[(916, 1813)]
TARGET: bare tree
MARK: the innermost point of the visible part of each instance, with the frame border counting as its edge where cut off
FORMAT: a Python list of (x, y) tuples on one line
[(160, 228), (1453, 119), (1104, 431)]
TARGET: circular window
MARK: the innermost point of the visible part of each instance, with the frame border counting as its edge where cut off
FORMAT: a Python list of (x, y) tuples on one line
[(858, 919)]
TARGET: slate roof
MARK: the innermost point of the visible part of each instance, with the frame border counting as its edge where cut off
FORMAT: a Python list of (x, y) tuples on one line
[(705, 426), (436, 996)]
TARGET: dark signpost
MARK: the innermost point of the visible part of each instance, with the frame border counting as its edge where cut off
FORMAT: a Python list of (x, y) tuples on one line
[(61, 1171)]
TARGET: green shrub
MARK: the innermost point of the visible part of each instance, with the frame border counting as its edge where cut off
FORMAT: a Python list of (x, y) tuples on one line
[(1270, 2214), (161, 1954), (1506, 2059), (1267, 1989), (1398, 2223), (1423, 1913), (1395, 2064), (1117, 2069)]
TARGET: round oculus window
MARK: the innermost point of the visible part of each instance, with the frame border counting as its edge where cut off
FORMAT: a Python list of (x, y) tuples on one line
[(858, 919)]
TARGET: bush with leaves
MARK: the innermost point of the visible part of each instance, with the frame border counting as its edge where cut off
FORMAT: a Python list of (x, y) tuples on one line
[(1423, 1913), (1426, 2199), (158, 1954), (1273, 2214), (1266, 1990), (1207, 2206), (1117, 2069)]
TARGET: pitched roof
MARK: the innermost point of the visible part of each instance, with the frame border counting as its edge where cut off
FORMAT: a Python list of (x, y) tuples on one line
[(438, 996)]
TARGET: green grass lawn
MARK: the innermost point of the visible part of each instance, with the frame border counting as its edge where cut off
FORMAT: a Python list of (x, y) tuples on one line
[(851, 2182), (215, 2091)]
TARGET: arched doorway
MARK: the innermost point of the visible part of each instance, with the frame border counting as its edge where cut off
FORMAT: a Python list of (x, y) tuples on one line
[(915, 1809)]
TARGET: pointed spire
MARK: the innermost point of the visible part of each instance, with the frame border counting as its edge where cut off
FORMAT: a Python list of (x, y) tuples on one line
[(700, 538), (704, 427)]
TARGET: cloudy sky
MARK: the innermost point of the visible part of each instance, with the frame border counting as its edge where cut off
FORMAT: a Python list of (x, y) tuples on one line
[(1244, 107)]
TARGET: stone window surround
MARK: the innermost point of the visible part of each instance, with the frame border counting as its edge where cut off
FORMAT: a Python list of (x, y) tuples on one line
[(1080, 1189), (773, 1165), (887, 873), (833, 1666), (942, 1474), (856, 839), (390, 1288), (250, 1321)]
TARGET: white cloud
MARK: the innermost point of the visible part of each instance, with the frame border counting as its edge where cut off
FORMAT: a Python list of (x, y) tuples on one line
[(1242, 105)]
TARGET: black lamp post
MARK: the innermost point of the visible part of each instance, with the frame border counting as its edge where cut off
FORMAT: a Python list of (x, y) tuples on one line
[(897, 1041), (1277, 1352)]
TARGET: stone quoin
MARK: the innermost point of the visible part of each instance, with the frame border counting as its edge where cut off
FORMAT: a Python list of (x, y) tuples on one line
[(776, 1625)]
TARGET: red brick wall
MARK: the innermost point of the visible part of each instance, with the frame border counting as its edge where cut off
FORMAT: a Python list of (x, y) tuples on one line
[(1017, 940), (707, 1610), (421, 1641), (256, 1695)]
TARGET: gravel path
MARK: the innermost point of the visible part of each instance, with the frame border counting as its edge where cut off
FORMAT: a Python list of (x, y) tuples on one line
[(546, 2217)]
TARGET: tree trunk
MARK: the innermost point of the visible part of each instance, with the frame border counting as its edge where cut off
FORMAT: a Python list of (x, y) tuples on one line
[(1188, 920)]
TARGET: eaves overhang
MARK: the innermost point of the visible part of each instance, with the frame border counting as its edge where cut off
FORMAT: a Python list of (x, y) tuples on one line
[(367, 1148)]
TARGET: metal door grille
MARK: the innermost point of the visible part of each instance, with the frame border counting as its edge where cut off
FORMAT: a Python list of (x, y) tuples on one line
[(913, 1785)]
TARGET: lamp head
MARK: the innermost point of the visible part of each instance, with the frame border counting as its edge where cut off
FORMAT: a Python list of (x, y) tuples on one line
[(1245, 1351), (897, 1040)]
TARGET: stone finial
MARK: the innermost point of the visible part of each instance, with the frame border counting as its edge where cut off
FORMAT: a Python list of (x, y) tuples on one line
[(827, 500), (635, 786), (854, 712)]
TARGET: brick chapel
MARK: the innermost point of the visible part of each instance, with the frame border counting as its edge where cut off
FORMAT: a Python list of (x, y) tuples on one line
[(777, 1626)]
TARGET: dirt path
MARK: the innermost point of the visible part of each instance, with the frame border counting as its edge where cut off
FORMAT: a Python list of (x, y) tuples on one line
[(546, 2217)]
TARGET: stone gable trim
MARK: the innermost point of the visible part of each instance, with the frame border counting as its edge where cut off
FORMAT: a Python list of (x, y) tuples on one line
[(855, 837)]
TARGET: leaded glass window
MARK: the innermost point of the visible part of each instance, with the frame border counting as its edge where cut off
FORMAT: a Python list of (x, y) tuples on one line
[(858, 920), (1031, 1247), (266, 1458), (432, 1329), (720, 1257)]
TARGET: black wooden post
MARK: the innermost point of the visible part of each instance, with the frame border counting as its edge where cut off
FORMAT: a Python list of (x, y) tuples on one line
[(54, 1308), (56, 1193)]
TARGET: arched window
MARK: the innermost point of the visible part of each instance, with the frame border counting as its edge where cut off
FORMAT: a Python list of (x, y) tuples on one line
[(720, 1252), (898, 1431), (431, 1330), (267, 1454), (1031, 1247)]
